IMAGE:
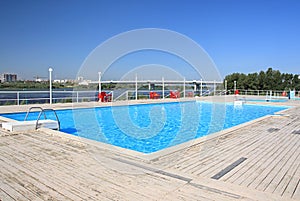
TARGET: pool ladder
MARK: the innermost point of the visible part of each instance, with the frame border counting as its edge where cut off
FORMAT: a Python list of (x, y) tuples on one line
[(42, 111)]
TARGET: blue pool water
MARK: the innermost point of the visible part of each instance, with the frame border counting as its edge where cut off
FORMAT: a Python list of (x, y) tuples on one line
[(153, 127)]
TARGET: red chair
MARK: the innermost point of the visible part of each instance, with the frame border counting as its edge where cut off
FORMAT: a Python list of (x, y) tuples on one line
[(154, 95), (175, 94), (104, 97)]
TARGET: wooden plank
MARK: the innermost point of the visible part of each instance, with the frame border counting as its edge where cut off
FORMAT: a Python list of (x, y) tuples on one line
[(55, 172), (274, 178), (296, 194), (259, 165), (207, 150), (230, 157), (4, 195), (293, 184), (45, 179), (273, 162), (62, 179), (12, 192), (191, 192), (43, 191), (215, 157), (244, 151), (78, 175), (257, 153)]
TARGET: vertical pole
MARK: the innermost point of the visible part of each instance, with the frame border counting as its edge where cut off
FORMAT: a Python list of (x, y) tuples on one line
[(201, 83), (77, 96), (225, 87), (50, 84), (234, 89), (99, 86), (184, 88), (214, 87), (18, 98), (163, 87), (136, 88)]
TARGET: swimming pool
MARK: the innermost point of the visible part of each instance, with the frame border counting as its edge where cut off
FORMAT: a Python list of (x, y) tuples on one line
[(266, 100), (149, 128)]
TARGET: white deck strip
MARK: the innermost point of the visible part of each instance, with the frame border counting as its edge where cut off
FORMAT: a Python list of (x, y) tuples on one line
[(30, 125), (39, 165)]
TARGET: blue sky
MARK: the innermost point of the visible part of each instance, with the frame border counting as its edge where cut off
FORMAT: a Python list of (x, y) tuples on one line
[(239, 35)]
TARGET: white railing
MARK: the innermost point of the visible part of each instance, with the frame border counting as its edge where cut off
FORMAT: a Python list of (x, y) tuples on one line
[(145, 94), (273, 93), (33, 97)]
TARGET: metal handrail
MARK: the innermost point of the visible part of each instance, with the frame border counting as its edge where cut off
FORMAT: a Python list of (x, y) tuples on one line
[(40, 114), (35, 108)]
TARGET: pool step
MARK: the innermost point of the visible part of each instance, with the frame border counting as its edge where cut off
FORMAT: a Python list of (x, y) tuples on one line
[(30, 125)]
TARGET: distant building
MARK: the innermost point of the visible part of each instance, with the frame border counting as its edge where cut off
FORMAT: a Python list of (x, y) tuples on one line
[(80, 79), (85, 82), (59, 81), (8, 77)]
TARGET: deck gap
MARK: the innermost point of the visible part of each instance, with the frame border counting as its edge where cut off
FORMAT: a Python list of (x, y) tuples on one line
[(154, 170), (228, 168)]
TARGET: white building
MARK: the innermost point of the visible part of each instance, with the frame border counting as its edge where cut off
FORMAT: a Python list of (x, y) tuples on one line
[(8, 77)]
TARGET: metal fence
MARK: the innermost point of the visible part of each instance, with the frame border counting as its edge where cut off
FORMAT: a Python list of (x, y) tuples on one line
[(272, 93), (39, 97), (34, 97)]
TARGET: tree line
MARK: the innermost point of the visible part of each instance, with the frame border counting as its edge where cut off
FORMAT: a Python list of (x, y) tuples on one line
[(268, 80), (26, 85)]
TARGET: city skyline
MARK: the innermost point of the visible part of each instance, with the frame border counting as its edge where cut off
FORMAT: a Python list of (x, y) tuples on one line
[(239, 36)]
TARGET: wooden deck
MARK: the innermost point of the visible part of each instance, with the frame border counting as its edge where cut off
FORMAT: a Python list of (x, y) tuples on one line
[(45, 166)]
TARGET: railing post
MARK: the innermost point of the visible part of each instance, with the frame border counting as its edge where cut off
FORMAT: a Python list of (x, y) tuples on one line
[(163, 88), (214, 87), (50, 84), (77, 97), (234, 86), (184, 88), (136, 88), (225, 87), (18, 98), (201, 87)]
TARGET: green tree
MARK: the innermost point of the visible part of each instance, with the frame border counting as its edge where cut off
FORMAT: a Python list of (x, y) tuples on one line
[(269, 80)]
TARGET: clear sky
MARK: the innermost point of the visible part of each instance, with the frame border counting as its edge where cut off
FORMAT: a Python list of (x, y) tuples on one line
[(239, 35)]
